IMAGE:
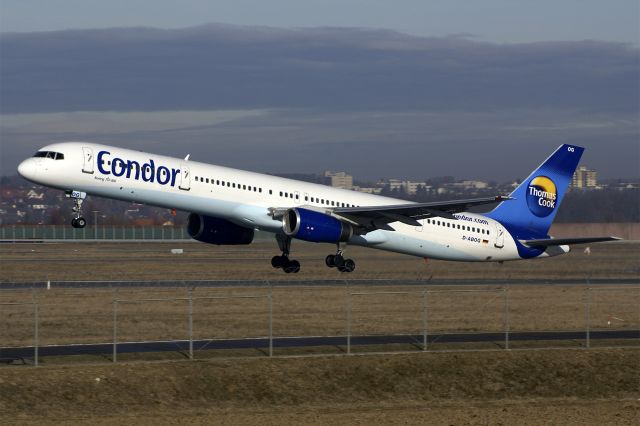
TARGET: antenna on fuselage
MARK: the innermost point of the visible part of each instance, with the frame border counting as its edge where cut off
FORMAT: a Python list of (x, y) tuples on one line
[(187, 157)]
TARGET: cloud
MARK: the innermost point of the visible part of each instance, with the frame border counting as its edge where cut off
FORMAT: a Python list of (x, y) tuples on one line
[(227, 67)]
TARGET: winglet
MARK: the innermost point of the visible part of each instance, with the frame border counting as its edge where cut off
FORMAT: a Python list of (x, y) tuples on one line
[(187, 157)]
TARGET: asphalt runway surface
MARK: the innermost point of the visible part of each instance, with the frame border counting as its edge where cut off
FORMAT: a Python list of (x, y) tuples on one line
[(309, 283), (26, 352)]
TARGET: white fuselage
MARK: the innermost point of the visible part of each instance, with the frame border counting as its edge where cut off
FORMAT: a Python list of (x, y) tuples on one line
[(245, 198)]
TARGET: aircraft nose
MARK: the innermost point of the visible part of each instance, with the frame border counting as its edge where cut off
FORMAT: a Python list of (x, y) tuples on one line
[(27, 169)]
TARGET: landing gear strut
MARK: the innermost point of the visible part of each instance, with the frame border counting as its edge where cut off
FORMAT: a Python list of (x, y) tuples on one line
[(282, 261), (338, 261), (78, 197)]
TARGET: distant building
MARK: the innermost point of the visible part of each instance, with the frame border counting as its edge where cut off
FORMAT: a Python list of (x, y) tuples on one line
[(368, 190), (339, 179), (407, 186), (584, 178)]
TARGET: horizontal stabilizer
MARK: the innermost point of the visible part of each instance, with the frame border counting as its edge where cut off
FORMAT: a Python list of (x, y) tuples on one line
[(566, 241)]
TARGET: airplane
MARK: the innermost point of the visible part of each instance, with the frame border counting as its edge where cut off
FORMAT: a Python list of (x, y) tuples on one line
[(228, 205)]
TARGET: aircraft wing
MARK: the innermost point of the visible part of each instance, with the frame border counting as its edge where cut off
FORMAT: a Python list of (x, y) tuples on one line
[(379, 217), (566, 241)]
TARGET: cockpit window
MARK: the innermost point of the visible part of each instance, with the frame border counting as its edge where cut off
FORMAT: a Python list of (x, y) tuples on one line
[(50, 154)]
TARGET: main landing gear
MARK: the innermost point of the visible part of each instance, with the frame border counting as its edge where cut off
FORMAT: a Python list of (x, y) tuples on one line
[(283, 261), (78, 197), (338, 261), (293, 266)]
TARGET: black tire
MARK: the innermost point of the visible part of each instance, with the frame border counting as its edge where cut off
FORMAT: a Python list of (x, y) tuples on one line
[(74, 222), (292, 266), (329, 261), (349, 265), (338, 260), (81, 222), (276, 262)]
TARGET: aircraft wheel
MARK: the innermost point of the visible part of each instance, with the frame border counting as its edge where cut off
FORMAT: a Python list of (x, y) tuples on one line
[(329, 261), (277, 261), (292, 267), (81, 222), (295, 265), (338, 260), (349, 265), (74, 222)]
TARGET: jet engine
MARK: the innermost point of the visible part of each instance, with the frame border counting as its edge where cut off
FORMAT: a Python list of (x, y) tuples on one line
[(315, 226), (213, 230)]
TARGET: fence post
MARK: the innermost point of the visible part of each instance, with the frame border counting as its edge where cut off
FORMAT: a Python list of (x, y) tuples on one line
[(506, 317), (424, 320), (36, 336), (115, 329), (190, 323), (588, 319), (348, 321), (270, 319)]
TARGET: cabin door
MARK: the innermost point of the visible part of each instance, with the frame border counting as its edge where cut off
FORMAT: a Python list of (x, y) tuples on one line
[(87, 154), (185, 178), (499, 236)]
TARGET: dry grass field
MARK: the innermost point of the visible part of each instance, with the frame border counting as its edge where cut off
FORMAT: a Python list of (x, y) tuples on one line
[(573, 387), (86, 315), (153, 261), (569, 386)]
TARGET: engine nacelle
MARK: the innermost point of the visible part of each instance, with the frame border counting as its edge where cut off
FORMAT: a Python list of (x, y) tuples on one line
[(314, 226), (213, 230)]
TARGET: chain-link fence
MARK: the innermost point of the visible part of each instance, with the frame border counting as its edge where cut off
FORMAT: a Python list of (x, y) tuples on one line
[(201, 322), (100, 233)]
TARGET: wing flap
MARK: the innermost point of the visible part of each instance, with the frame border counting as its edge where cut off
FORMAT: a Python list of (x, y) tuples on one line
[(566, 241)]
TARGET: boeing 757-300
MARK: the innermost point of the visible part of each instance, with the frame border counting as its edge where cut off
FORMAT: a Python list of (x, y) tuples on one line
[(228, 205)]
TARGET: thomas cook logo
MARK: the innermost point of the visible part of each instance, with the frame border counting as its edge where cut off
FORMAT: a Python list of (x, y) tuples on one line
[(541, 196)]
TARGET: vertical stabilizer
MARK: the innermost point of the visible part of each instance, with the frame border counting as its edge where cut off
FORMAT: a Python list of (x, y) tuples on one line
[(537, 199)]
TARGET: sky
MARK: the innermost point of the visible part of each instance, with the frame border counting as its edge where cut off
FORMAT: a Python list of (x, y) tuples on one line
[(408, 89)]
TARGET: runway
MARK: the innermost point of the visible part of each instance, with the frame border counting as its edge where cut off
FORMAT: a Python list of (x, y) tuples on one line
[(261, 343), (309, 283)]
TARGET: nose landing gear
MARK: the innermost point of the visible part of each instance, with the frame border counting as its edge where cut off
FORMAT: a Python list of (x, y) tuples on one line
[(78, 197), (283, 261)]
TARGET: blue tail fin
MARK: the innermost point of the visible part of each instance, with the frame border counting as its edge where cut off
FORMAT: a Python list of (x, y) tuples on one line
[(538, 197)]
